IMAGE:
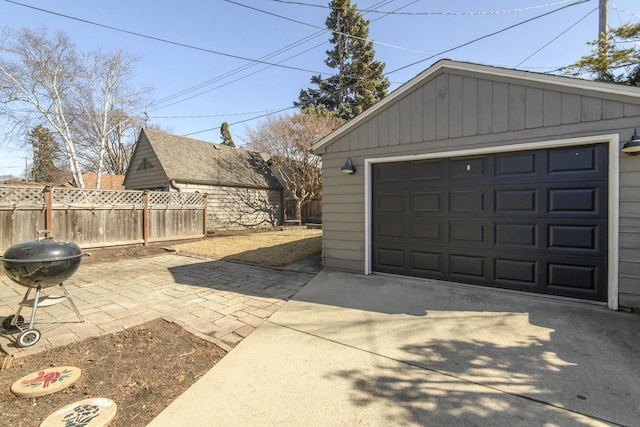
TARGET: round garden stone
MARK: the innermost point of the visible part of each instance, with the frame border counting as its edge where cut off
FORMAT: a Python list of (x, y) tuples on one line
[(93, 412), (46, 381)]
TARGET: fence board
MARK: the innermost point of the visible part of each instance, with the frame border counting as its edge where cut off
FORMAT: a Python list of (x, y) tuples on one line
[(93, 218)]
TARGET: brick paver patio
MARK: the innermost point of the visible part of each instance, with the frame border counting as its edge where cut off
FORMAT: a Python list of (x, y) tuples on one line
[(223, 300)]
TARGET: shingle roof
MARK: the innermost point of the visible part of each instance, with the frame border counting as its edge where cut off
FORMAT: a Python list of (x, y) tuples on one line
[(190, 160)]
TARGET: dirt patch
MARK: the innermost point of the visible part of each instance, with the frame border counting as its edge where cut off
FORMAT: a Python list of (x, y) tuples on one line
[(271, 248), (142, 369)]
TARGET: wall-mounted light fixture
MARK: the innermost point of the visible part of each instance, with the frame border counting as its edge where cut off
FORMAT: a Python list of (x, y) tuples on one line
[(348, 167), (632, 147)]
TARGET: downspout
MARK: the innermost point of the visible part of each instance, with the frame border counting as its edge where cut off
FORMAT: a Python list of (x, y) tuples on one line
[(174, 184)]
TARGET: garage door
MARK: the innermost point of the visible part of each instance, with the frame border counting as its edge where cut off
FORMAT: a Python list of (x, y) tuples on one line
[(528, 220)]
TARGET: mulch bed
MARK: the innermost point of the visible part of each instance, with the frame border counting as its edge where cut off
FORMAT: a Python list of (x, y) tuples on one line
[(142, 369)]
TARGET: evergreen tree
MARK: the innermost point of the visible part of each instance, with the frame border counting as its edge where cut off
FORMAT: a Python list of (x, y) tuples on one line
[(225, 134), (615, 55), (359, 82), (45, 155)]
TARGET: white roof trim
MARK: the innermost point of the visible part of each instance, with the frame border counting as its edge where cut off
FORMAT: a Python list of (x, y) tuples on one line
[(563, 81)]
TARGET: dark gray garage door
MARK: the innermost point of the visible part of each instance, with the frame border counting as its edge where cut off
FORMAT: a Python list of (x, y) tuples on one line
[(532, 220)]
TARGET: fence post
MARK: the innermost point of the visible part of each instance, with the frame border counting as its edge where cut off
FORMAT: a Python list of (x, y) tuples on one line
[(205, 217), (48, 215), (145, 218)]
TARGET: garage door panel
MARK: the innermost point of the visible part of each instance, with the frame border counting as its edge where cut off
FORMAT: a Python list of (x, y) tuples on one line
[(428, 232), (518, 164), (573, 200), (516, 235), (534, 221), (386, 174), (391, 258), (521, 201), (573, 236), (426, 201), (391, 229), (426, 263), (467, 201), (390, 203), (467, 234), (467, 265), (425, 171), (577, 159), (571, 276), (474, 167), (516, 272)]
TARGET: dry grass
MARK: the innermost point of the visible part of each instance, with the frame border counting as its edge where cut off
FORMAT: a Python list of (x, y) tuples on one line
[(270, 248)]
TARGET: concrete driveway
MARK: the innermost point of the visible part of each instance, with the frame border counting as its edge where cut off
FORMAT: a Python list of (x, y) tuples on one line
[(379, 350)]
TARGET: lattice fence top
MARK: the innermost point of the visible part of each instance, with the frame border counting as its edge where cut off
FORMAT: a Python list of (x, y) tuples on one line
[(13, 197), (82, 198), (96, 199), (183, 200)]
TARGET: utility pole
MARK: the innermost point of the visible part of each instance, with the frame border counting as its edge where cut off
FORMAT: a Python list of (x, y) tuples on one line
[(602, 32)]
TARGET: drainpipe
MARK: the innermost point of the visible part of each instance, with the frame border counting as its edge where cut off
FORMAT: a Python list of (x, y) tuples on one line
[(175, 185)]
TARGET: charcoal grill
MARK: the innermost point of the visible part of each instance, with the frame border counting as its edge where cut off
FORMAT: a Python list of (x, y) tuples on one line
[(38, 264)]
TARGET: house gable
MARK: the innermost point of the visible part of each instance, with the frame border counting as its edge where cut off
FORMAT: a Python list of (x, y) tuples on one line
[(145, 169), (454, 100)]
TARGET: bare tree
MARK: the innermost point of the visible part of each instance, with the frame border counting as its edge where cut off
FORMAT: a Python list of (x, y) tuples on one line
[(38, 75), (85, 98), (106, 102), (288, 140)]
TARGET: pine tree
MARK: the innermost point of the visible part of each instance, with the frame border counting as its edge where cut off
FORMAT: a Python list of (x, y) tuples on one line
[(45, 155), (359, 82), (615, 55), (225, 134)]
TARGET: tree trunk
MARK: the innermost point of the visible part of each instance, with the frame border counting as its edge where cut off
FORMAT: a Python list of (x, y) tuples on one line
[(299, 211)]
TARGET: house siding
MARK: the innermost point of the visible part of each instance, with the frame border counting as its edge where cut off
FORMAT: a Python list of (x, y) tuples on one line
[(456, 110), (231, 208), (148, 170)]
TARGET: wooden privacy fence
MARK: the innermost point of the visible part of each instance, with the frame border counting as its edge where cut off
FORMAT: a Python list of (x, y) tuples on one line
[(93, 218)]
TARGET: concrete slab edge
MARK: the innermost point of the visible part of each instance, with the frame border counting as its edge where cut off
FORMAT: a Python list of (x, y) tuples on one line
[(199, 334)]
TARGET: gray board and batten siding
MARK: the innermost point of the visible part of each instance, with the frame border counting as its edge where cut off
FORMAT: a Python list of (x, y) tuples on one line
[(241, 188), (470, 111)]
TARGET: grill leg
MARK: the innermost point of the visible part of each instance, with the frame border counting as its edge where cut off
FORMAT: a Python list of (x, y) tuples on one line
[(68, 297), (35, 307), (14, 321)]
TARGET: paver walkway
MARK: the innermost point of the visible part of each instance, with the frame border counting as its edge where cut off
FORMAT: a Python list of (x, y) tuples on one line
[(223, 300)]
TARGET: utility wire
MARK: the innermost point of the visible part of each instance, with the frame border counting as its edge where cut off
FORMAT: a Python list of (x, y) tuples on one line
[(496, 12), (161, 39), (316, 26), (487, 36), (556, 37), (241, 121)]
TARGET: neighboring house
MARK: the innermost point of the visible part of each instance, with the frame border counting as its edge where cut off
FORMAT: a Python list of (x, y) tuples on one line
[(242, 190), (107, 182), (494, 177)]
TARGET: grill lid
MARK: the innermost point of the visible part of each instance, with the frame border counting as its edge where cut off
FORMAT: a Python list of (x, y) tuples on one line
[(45, 250)]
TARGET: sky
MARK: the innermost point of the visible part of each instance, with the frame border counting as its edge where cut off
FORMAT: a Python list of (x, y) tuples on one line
[(237, 61)]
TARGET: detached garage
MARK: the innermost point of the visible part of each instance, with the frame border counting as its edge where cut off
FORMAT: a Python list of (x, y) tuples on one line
[(491, 177)]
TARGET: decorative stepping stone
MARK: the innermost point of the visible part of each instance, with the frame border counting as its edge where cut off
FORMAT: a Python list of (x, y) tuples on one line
[(94, 412), (46, 381)]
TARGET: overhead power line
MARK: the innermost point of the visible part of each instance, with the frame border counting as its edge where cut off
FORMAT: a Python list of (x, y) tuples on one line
[(494, 12), (241, 121), (488, 35), (162, 40), (556, 37)]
